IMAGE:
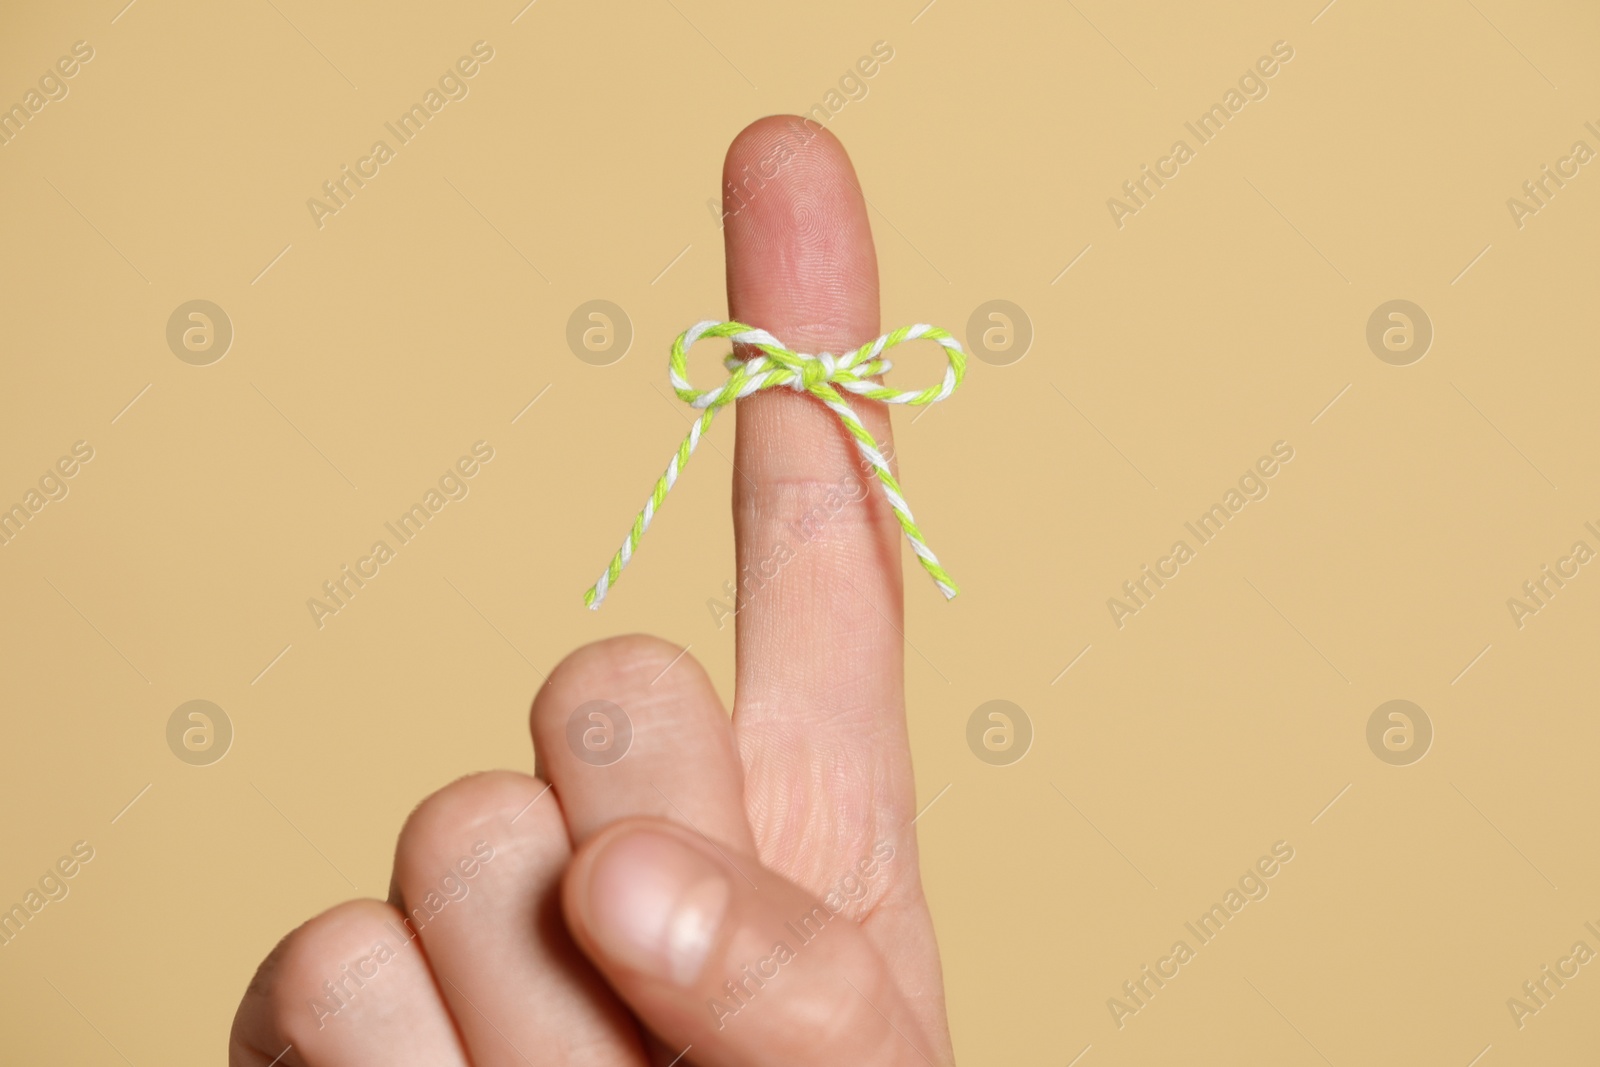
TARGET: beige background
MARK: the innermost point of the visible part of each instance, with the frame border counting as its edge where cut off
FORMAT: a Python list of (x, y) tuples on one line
[(1228, 314)]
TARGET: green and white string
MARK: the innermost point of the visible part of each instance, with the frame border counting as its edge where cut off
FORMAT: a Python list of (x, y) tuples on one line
[(823, 376)]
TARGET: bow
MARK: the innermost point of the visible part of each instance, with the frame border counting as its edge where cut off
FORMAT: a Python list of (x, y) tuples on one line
[(823, 376)]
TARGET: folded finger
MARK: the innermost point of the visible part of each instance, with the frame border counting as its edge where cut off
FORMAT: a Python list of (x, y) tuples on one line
[(633, 726), (478, 869), (345, 990)]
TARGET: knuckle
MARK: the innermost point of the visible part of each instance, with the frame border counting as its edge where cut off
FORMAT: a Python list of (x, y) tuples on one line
[(849, 1020), (479, 806), (838, 1021), (623, 660), (295, 975), (631, 669)]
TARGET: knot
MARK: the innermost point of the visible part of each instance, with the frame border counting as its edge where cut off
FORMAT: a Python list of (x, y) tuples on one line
[(814, 371), (822, 376)]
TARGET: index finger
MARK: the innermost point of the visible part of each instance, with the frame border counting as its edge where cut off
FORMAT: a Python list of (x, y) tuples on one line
[(820, 651)]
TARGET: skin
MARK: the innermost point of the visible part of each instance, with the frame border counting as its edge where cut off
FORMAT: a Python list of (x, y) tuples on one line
[(616, 904)]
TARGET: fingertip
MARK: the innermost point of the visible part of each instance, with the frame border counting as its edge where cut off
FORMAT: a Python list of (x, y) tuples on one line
[(800, 257), (802, 136)]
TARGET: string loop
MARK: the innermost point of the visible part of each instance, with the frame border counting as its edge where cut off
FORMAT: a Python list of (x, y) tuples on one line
[(823, 376)]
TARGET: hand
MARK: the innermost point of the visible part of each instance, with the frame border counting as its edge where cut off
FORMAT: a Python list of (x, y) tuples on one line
[(745, 890)]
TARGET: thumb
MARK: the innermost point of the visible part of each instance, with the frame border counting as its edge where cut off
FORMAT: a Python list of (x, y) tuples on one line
[(727, 961)]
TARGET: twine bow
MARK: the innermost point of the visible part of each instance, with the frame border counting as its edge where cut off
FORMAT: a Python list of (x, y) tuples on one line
[(823, 376)]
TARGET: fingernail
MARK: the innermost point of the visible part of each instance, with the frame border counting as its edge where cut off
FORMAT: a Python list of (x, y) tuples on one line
[(655, 905)]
